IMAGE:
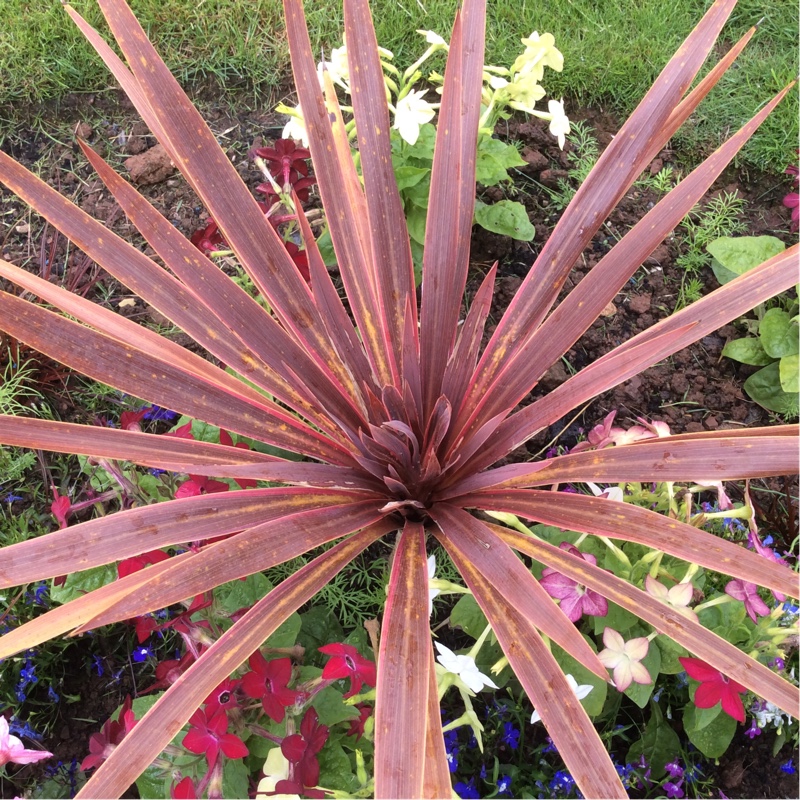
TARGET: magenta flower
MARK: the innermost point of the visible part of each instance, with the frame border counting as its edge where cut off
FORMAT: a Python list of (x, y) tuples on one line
[(268, 682), (209, 735), (748, 593), (223, 697), (715, 688), (13, 750), (347, 662), (576, 600)]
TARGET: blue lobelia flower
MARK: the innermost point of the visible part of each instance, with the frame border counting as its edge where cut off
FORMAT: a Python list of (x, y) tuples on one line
[(789, 767), (467, 790), (511, 735), (504, 786), (142, 653)]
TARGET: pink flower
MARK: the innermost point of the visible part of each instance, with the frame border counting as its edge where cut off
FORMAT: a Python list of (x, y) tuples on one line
[(13, 750), (268, 683), (624, 658), (348, 663), (200, 484), (679, 596), (748, 593), (209, 736), (714, 688), (576, 600)]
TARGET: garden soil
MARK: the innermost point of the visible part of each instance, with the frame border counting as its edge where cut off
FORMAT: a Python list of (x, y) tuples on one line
[(695, 390)]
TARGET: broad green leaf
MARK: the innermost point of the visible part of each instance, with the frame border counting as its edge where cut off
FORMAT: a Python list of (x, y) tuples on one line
[(764, 387), (416, 218), (778, 334), (617, 618), (734, 256), (319, 627), (670, 652), (747, 351), (409, 176), (713, 739), (335, 769), (467, 615), (325, 245), (659, 744), (81, 583), (505, 217), (235, 778), (330, 706), (494, 159), (234, 595), (788, 370), (702, 717)]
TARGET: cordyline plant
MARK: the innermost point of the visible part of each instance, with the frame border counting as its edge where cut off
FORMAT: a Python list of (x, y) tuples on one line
[(400, 418)]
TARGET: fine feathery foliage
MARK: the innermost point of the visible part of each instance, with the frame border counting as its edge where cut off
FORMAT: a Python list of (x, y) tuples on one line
[(399, 421)]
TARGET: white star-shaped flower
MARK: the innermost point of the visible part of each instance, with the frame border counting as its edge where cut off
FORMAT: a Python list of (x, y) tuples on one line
[(464, 667), (412, 112), (580, 692)]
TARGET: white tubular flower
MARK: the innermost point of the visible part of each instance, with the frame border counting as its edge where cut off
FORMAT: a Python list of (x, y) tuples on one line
[(524, 92), (464, 667), (431, 574), (540, 52), (338, 67), (433, 38), (580, 692), (559, 124), (410, 113)]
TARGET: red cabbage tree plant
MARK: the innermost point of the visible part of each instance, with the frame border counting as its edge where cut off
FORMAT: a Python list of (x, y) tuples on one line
[(399, 415)]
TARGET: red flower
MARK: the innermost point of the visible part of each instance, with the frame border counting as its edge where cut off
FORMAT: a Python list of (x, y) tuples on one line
[(223, 697), (129, 420), (185, 790), (60, 508), (357, 725), (714, 688), (135, 563), (348, 663), (301, 749), (209, 736), (167, 672), (268, 682), (288, 165), (200, 484), (102, 744), (184, 432)]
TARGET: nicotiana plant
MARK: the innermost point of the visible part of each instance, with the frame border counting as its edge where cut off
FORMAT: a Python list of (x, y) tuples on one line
[(399, 416)]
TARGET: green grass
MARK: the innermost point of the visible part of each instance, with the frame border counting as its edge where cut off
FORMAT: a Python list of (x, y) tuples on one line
[(613, 50)]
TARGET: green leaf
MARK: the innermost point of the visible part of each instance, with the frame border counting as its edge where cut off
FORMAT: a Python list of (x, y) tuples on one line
[(713, 739), (409, 176), (659, 744), (319, 627), (330, 705), (494, 158), (335, 769), (788, 371), (416, 218), (703, 717), (765, 388), (467, 615), (747, 351), (235, 778), (506, 217), (81, 583), (735, 256), (325, 244), (618, 618), (670, 652), (778, 334)]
